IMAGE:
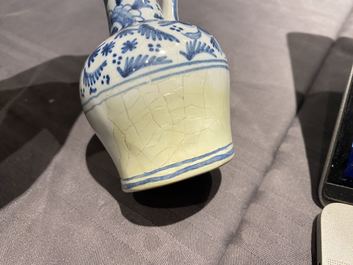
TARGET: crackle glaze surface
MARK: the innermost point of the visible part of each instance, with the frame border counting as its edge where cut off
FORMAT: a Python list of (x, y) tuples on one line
[(157, 94)]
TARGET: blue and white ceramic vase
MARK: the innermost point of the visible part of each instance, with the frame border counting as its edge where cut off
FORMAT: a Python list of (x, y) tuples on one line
[(157, 94)]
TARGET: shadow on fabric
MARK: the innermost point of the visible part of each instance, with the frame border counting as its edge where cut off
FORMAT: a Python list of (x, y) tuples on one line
[(318, 104), (314, 239), (156, 207), (38, 107)]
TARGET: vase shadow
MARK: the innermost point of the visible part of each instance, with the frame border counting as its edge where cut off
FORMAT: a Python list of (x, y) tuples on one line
[(156, 207), (38, 108)]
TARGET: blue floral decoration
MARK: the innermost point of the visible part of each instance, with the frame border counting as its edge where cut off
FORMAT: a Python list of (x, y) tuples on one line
[(141, 3), (107, 48), (215, 44), (134, 64), (129, 45), (133, 26), (93, 56), (123, 16), (150, 32), (90, 78), (125, 32), (196, 47)]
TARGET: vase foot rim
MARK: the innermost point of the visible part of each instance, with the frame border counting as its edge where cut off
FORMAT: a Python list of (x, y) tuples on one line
[(179, 171)]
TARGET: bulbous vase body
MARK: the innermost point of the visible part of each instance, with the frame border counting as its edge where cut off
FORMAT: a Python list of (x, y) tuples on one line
[(157, 94)]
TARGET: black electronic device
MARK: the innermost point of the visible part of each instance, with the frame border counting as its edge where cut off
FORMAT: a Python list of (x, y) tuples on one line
[(336, 183)]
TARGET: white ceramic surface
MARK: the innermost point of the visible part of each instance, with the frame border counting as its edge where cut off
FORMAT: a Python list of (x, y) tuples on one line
[(157, 94)]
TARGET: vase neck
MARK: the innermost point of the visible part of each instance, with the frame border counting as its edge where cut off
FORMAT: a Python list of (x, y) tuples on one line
[(170, 9), (123, 13)]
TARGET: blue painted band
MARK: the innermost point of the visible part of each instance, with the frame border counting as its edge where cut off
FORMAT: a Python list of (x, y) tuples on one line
[(156, 79), (146, 174), (153, 72), (180, 171)]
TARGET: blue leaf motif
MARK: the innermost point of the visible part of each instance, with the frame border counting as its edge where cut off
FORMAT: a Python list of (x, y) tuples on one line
[(153, 33), (90, 78), (196, 47), (134, 64), (92, 57), (125, 32), (215, 44)]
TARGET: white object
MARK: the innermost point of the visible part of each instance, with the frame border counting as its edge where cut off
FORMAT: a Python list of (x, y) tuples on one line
[(335, 235)]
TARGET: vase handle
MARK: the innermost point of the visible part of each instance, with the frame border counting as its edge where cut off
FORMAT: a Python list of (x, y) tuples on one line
[(170, 9)]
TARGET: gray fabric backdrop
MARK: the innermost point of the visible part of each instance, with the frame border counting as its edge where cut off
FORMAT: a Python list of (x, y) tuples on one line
[(60, 198)]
